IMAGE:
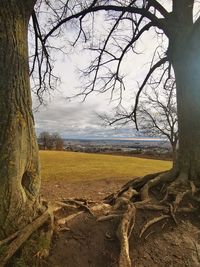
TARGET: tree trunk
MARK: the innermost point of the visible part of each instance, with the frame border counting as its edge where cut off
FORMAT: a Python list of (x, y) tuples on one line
[(186, 63), (19, 170), (174, 154)]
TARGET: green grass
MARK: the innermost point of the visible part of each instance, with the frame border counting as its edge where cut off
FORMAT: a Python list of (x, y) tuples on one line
[(74, 166)]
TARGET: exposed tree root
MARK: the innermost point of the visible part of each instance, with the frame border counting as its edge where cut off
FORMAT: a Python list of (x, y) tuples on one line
[(125, 227), (151, 222), (47, 236), (64, 205), (123, 232), (9, 238), (125, 209), (108, 217), (197, 252), (172, 213), (93, 209), (65, 220), (138, 195), (179, 197), (152, 207), (136, 183), (75, 204), (80, 203), (161, 178), (22, 236)]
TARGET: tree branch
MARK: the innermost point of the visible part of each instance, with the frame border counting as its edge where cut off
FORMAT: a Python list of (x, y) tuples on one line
[(160, 23), (152, 69), (159, 7)]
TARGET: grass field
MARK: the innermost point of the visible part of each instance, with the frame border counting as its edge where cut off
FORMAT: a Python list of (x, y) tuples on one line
[(74, 166)]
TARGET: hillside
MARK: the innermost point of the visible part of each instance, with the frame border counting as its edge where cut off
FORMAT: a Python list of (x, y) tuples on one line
[(97, 175)]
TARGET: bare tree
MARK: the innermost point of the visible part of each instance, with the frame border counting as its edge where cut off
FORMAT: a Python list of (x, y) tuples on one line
[(49, 141), (45, 140), (127, 22), (57, 140), (157, 115)]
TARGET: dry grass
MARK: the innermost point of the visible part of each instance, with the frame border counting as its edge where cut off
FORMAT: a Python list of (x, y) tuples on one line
[(74, 166)]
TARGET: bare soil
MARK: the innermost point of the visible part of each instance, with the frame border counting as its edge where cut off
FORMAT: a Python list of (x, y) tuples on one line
[(92, 190), (86, 242)]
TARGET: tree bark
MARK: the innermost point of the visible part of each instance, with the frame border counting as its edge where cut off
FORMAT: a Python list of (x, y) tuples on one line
[(186, 63), (174, 154), (19, 169)]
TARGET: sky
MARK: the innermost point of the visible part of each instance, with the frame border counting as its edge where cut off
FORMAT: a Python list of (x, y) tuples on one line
[(76, 119)]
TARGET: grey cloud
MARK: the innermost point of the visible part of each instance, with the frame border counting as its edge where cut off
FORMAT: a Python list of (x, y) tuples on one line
[(76, 120)]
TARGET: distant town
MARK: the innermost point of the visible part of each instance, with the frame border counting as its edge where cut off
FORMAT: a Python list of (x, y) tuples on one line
[(145, 146)]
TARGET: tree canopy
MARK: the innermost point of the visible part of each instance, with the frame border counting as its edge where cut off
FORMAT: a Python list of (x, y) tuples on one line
[(123, 26)]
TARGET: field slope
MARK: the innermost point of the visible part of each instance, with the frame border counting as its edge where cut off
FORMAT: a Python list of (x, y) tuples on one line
[(76, 167)]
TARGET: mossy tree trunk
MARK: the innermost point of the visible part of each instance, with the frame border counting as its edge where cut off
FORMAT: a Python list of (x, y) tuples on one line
[(19, 169)]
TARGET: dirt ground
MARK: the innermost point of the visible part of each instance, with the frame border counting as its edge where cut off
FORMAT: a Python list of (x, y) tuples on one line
[(95, 190), (86, 242), (89, 243)]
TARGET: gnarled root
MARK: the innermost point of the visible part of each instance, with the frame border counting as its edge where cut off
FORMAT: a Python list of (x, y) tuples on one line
[(151, 222), (141, 194), (126, 225), (123, 233), (125, 209), (18, 238), (136, 184), (161, 178)]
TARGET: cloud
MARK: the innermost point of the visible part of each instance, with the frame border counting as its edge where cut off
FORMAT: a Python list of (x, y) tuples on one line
[(77, 120), (80, 120)]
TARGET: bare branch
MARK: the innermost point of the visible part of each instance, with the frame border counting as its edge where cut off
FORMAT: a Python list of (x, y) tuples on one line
[(153, 68), (158, 7), (160, 23)]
